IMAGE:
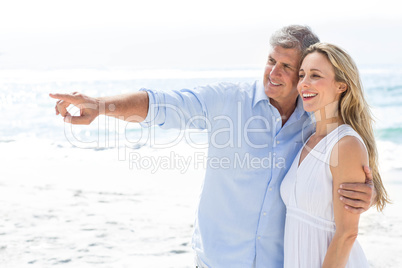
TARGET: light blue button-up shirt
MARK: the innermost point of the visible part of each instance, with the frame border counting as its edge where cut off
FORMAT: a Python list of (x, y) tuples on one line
[(241, 217)]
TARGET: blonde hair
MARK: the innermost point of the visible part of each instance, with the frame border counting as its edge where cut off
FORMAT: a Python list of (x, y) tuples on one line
[(354, 109)]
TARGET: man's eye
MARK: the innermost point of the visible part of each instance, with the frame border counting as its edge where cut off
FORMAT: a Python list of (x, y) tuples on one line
[(301, 75)]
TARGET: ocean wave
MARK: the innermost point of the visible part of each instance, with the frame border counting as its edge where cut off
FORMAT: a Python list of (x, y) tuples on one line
[(390, 134), (381, 89)]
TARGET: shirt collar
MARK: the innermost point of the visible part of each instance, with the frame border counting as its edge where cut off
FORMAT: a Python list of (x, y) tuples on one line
[(259, 93), (299, 110)]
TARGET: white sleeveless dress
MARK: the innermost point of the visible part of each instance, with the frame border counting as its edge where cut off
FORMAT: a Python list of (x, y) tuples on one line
[(307, 193)]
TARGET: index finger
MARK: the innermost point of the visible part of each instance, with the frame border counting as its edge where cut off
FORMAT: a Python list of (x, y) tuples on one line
[(66, 97)]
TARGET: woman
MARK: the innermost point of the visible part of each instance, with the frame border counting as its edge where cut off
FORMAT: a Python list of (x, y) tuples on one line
[(319, 232)]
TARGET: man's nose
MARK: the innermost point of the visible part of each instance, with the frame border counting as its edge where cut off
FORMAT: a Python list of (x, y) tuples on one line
[(275, 71)]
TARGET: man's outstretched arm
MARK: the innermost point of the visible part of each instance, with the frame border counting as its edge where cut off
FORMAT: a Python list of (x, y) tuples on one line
[(131, 107), (358, 197)]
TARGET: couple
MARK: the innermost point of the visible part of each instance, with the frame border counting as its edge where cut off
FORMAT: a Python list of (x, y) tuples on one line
[(241, 217)]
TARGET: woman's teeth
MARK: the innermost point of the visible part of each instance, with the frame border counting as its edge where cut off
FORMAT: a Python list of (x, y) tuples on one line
[(309, 95)]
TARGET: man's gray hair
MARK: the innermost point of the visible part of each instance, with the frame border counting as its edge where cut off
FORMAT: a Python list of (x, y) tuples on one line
[(294, 36)]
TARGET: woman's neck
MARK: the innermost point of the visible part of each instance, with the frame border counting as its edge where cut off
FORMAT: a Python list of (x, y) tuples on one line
[(327, 120)]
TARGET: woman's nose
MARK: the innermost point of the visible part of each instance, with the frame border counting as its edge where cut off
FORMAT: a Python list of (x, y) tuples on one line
[(304, 81)]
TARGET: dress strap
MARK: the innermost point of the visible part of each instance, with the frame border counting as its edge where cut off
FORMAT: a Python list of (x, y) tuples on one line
[(324, 149)]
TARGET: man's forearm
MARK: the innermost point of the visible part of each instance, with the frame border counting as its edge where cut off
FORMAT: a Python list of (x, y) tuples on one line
[(131, 107)]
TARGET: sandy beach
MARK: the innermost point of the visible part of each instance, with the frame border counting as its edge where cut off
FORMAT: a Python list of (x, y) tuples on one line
[(75, 207)]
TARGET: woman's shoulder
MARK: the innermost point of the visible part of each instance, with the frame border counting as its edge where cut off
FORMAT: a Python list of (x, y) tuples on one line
[(348, 137), (350, 150), (351, 144)]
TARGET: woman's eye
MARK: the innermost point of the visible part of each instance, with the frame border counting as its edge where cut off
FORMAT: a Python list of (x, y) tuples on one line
[(301, 75)]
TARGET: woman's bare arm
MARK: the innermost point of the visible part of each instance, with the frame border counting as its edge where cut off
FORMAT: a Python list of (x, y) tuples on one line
[(347, 160)]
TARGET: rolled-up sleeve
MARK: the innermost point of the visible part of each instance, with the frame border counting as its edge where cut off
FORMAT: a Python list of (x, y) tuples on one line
[(150, 118), (184, 108)]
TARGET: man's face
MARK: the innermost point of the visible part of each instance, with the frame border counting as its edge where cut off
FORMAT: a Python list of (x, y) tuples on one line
[(281, 74)]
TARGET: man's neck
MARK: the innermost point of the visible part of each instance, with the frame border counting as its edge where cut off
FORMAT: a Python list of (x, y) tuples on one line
[(285, 108)]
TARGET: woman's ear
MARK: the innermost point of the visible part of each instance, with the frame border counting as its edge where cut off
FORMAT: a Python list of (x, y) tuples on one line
[(342, 87)]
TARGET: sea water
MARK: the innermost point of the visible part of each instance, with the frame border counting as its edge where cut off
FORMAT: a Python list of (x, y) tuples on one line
[(70, 196)]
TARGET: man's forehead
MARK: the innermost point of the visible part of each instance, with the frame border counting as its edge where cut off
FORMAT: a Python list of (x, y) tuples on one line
[(286, 55)]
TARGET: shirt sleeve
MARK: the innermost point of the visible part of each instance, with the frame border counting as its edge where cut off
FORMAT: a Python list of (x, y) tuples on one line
[(185, 108)]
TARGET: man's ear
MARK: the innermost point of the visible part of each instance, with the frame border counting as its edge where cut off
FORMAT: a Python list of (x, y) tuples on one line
[(342, 87)]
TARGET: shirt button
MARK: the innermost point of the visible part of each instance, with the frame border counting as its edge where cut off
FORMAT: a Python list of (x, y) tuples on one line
[(278, 119), (265, 214), (277, 142), (270, 189), (259, 237)]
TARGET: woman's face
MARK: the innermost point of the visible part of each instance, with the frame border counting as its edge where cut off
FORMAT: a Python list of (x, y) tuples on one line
[(317, 85)]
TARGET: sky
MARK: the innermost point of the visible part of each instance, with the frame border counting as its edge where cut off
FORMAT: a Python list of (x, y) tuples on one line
[(180, 34)]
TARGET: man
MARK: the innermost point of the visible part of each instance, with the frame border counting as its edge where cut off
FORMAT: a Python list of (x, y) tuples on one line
[(258, 129)]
